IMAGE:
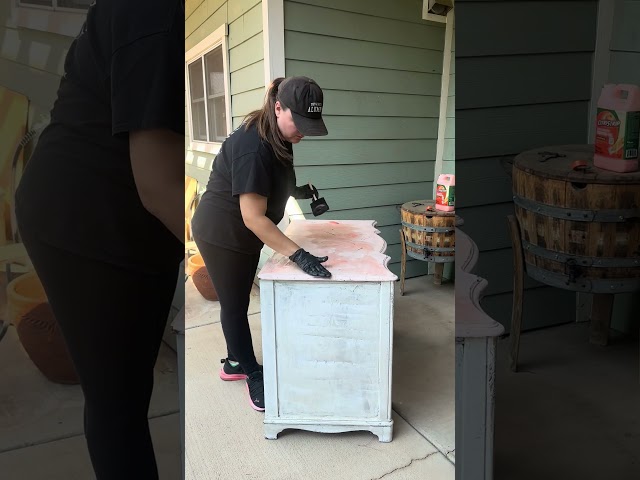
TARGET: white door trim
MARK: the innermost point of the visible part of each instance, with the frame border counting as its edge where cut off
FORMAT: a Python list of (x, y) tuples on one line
[(444, 97), (273, 40)]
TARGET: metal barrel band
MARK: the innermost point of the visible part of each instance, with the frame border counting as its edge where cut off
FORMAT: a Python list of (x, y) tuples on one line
[(599, 262), (576, 214), (420, 228), (431, 258), (581, 284), (431, 249)]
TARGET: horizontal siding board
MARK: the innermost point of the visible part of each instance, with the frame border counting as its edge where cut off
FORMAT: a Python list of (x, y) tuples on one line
[(245, 102), (392, 128), (625, 34), (508, 130), (190, 6), (248, 52), (209, 26), (486, 181), (312, 19), (364, 79), (243, 28), (524, 79), (384, 216), (361, 197), (344, 51), (496, 266), (450, 128), (35, 49), (449, 166), (487, 225), (535, 312), (407, 10), (624, 68), (364, 151), (238, 8), (340, 102), (195, 20), (344, 176), (449, 149), (520, 27), (39, 86), (200, 174), (414, 268), (247, 78)]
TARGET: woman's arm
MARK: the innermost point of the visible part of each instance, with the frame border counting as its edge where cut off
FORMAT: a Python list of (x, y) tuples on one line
[(157, 161), (253, 208)]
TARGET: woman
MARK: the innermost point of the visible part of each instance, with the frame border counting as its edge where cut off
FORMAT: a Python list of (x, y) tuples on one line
[(99, 210), (251, 180)]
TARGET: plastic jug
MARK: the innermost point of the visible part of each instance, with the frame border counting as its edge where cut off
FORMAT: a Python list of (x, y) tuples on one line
[(618, 128), (445, 192)]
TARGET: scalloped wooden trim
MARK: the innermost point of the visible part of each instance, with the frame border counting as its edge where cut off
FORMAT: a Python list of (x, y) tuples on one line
[(471, 319), (358, 257)]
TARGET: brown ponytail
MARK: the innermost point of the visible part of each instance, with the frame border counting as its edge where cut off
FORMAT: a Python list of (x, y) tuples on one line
[(267, 123)]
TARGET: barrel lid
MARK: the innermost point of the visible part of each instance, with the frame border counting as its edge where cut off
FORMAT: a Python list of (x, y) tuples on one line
[(422, 206), (576, 165)]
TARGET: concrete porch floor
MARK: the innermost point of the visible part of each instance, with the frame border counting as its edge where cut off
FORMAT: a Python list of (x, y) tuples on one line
[(224, 436), (571, 411)]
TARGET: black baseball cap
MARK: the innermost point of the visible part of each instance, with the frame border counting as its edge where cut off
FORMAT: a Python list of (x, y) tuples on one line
[(303, 96)]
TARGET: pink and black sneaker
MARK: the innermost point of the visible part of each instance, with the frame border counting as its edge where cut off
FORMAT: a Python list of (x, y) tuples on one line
[(255, 390), (230, 373)]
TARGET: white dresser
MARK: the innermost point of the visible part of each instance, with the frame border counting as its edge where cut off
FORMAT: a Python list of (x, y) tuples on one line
[(327, 343)]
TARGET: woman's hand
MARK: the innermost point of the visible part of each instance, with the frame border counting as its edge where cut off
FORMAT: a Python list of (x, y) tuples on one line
[(305, 191), (310, 264)]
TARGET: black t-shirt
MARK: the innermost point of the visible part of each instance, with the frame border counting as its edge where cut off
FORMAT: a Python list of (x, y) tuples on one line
[(245, 164), (123, 72)]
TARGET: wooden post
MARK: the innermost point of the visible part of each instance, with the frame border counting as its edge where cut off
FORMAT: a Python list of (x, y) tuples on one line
[(518, 287), (403, 265), (437, 274), (601, 318)]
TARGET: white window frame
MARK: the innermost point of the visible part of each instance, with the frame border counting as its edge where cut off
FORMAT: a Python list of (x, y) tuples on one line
[(219, 38), (59, 20)]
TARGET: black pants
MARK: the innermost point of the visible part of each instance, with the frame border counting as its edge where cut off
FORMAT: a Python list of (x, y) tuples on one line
[(112, 321), (232, 275)]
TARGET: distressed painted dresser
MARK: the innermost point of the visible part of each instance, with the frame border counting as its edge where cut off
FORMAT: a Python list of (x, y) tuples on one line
[(327, 343)]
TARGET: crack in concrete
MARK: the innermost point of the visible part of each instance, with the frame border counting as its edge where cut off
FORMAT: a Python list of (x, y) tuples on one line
[(408, 464)]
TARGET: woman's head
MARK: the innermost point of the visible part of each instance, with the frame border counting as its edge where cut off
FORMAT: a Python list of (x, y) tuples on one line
[(291, 111)]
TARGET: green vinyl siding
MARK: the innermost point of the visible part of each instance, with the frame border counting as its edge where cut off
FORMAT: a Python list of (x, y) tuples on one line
[(380, 68), (519, 87), (246, 62)]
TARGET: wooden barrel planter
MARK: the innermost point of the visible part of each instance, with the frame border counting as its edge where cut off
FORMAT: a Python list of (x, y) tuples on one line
[(429, 233), (579, 225)]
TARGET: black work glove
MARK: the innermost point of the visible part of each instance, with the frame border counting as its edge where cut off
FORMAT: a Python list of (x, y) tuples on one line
[(310, 264), (305, 191)]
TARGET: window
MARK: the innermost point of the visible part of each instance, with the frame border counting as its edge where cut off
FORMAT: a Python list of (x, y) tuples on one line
[(57, 4), (63, 17), (208, 98)]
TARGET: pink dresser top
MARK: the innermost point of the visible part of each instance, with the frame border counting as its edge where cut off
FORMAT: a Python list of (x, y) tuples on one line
[(353, 247)]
